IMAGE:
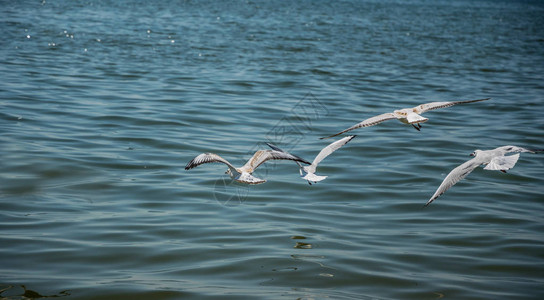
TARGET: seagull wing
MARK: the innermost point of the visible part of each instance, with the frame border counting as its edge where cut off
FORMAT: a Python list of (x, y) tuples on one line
[(507, 149), (205, 158), (274, 147), (436, 105), (366, 123), (262, 156), (502, 163), (455, 176), (327, 151)]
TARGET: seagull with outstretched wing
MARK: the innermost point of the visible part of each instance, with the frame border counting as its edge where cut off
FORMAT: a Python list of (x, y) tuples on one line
[(495, 159), (308, 172), (406, 115), (244, 173)]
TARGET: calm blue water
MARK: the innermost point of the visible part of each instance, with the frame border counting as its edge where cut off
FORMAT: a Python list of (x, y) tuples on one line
[(102, 103)]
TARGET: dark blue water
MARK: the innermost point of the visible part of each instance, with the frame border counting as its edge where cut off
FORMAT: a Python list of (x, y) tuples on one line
[(102, 103)]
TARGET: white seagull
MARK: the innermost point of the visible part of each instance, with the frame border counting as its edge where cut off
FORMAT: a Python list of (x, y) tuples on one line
[(406, 115), (243, 174), (308, 172), (493, 159)]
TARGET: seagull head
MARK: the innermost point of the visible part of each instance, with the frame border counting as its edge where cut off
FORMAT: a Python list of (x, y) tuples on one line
[(475, 153)]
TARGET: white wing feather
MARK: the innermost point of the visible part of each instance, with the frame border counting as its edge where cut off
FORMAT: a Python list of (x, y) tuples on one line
[(455, 176), (502, 163), (327, 151)]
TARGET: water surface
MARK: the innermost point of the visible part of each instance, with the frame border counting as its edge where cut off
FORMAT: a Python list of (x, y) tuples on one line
[(104, 102)]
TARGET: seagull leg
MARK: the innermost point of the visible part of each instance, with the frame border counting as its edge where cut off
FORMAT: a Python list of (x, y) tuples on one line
[(503, 171), (309, 182), (419, 125), (417, 128)]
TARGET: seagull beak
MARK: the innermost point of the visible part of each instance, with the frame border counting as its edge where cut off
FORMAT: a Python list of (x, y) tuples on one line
[(472, 154)]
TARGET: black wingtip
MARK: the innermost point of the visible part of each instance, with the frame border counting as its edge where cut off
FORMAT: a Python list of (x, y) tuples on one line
[(298, 158), (484, 99), (330, 136), (304, 161), (190, 165), (428, 202), (274, 147)]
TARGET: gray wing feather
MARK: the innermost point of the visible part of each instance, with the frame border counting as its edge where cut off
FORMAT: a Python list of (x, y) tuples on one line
[(366, 123), (455, 176), (262, 156), (205, 158), (436, 105), (518, 149)]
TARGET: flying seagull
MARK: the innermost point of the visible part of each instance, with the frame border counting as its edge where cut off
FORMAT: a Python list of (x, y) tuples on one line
[(308, 172), (493, 159), (243, 174), (406, 115)]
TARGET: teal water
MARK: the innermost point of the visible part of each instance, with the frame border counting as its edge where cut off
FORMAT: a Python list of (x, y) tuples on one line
[(102, 103)]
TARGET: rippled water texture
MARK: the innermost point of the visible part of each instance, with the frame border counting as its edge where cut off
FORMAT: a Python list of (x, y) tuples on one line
[(102, 103)]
